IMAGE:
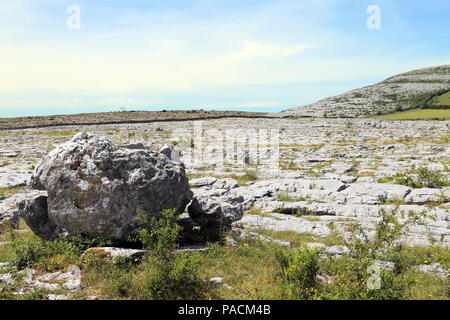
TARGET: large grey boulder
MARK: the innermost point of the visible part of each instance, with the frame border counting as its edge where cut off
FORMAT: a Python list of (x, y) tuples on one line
[(216, 205), (98, 189), (33, 209), (215, 210)]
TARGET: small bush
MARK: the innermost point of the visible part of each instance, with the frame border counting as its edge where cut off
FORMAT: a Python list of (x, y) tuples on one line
[(422, 177), (175, 278), (167, 275), (36, 251), (385, 179), (250, 175), (428, 178), (355, 271), (298, 271), (52, 255), (159, 234)]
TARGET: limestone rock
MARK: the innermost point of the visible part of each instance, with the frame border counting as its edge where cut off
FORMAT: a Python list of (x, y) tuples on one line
[(424, 195), (211, 205), (33, 209), (171, 152), (97, 189), (113, 252)]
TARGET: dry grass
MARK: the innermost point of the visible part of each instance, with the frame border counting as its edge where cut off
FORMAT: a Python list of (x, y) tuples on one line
[(121, 117)]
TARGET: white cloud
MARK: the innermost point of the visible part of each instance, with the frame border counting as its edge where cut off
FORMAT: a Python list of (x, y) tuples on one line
[(256, 50)]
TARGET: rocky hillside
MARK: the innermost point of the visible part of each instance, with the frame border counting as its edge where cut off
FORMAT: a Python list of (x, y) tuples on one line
[(400, 92)]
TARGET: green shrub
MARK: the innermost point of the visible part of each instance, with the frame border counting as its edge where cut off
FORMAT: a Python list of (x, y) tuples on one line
[(167, 275), (429, 178), (425, 100), (36, 251), (51, 255), (422, 177), (298, 271), (385, 179), (173, 278), (159, 234), (161, 273), (354, 278), (354, 271), (250, 175)]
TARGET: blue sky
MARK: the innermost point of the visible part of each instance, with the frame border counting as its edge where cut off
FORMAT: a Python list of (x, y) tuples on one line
[(257, 55)]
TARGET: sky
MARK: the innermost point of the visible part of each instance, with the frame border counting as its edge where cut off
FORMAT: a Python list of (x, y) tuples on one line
[(60, 57)]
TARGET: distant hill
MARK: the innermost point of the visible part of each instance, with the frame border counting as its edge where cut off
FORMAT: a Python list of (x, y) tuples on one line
[(415, 89)]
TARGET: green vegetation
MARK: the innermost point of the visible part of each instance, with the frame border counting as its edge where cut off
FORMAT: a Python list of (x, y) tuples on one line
[(441, 101), (9, 191), (161, 273), (248, 176), (424, 100), (299, 269), (410, 108), (421, 177), (418, 114), (253, 269), (284, 197)]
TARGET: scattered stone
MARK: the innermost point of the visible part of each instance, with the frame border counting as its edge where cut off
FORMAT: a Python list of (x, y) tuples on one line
[(216, 280), (435, 269), (325, 278), (190, 248), (7, 278), (425, 195), (72, 284), (58, 296), (229, 241), (341, 168), (202, 182), (210, 205), (114, 253)]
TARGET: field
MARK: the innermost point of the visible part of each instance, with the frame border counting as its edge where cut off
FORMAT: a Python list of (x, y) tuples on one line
[(418, 114), (333, 176), (250, 269), (442, 100)]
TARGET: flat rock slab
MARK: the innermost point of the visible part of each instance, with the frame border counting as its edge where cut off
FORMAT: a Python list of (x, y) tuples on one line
[(113, 252), (425, 195), (282, 222), (12, 179)]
